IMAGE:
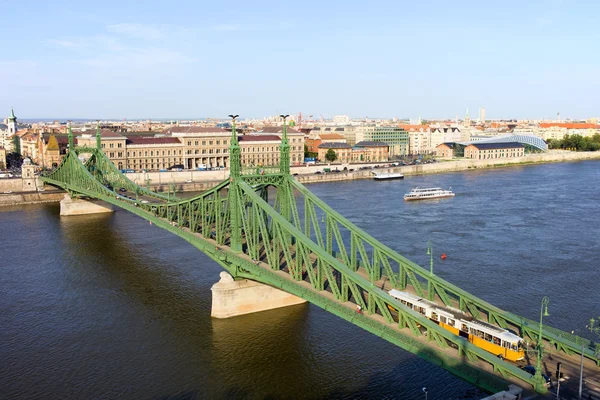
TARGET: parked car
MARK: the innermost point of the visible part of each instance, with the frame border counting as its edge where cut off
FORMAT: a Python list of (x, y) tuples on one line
[(318, 173), (122, 190), (531, 369)]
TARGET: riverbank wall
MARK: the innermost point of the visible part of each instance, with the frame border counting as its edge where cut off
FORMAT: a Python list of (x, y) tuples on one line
[(14, 199), (204, 180)]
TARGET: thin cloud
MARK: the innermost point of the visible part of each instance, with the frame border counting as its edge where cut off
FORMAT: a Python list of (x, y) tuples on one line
[(227, 28), (138, 31), (63, 43)]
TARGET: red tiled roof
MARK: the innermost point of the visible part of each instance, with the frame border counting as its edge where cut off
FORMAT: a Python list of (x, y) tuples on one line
[(193, 129), (414, 128), (569, 125), (258, 138), (133, 140), (331, 136)]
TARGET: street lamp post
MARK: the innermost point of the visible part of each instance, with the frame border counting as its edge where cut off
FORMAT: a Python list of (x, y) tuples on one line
[(430, 293), (538, 369)]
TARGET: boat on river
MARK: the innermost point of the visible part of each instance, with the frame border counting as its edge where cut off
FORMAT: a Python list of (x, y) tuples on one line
[(389, 175), (428, 193)]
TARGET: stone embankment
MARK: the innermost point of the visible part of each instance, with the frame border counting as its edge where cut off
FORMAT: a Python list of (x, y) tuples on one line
[(198, 181)]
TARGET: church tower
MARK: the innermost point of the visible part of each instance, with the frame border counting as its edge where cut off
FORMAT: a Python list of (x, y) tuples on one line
[(12, 123)]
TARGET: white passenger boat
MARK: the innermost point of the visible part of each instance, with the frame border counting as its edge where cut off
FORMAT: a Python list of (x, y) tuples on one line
[(390, 175), (428, 193)]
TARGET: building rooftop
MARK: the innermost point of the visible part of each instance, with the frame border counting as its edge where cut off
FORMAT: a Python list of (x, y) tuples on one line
[(104, 134), (141, 140), (334, 146), (368, 143), (193, 129), (569, 125), (507, 145), (258, 138), (278, 129), (331, 136)]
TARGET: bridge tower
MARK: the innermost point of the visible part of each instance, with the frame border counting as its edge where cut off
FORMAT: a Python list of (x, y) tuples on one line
[(71, 145), (234, 202), (98, 137), (285, 190)]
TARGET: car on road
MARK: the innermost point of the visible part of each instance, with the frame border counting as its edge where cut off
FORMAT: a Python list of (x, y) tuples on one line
[(122, 190), (531, 369), (318, 173), (8, 192), (189, 181), (145, 201)]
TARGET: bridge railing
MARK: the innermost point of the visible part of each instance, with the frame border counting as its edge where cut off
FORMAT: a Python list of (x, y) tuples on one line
[(382, 257)]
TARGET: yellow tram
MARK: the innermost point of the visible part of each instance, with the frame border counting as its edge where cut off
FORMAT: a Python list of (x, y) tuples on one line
[(488, 337)]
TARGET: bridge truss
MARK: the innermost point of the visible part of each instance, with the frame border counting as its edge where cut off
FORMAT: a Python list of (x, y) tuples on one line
[(265, 226)]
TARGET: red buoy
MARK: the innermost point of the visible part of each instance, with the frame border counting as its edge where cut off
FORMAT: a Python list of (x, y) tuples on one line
[(444, 256)]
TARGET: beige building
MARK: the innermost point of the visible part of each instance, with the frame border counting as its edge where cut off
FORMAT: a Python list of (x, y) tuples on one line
[(343, 152), (445, 150), (370, 152), (113, 145), (265, 149), (295, 140), (484, 151), (203, 147), (151, 153), (2, 158)]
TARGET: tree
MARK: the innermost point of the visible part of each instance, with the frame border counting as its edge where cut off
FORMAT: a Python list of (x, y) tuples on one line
[(330, 155)]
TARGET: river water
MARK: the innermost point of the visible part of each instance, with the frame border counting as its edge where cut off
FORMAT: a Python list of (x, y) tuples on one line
[(109, 307)]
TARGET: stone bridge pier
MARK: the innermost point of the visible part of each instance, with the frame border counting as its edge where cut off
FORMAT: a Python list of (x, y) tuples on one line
[(75, 206), (231, 298)]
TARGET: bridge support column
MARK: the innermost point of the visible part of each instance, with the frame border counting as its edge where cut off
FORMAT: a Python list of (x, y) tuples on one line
[(70, 206), (231, 298)]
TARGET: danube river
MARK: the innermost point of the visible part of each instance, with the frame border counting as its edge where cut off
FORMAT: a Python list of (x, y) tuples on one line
[(109, 307)]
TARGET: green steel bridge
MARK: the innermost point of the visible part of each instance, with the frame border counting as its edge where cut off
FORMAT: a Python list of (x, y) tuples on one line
[(261, 224)]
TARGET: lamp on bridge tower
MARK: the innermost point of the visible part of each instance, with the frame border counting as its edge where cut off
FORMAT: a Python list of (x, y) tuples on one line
[(284, 156), (540, 381), (234, 194), (98, 136), (234, 151), (70, 131)]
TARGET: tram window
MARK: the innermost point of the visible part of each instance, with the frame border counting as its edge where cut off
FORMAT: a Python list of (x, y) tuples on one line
[(451, 322), (410, 305), (488, 337), (473, 331), (496, 341), (464, 328), (434, 316), (515, 347), (443, 319), (421, 310), (506, 344)]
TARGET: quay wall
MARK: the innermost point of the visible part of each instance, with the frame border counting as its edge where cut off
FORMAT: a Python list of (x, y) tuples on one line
[(204, 180), (31, 198)]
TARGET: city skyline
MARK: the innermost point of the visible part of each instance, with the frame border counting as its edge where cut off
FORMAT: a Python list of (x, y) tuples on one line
[(526, 61)]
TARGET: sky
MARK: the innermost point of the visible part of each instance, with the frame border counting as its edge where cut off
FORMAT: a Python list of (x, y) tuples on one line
[(377, 59)]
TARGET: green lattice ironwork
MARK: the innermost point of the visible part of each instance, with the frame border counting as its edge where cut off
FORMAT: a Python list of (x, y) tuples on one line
[(271, 229)]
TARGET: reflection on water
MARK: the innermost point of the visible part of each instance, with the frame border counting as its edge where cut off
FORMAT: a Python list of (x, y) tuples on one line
[(109, 307)]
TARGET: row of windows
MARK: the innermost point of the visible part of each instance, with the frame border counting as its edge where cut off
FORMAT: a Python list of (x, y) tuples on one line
[(210, 151), (168, 153), (112, 145), (210, 142)]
